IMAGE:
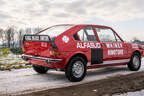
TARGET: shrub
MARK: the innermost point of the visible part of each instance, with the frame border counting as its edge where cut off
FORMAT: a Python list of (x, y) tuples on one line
[(16, 50)]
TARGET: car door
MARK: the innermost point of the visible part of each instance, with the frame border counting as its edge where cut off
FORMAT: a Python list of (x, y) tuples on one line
[(88, 43), (114, 49)]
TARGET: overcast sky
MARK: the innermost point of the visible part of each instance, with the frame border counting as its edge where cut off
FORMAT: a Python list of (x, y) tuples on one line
[(125, 16)]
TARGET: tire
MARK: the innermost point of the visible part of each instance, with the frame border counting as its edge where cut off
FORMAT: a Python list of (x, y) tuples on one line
[(40, 69), (76, 69), (135, 62)]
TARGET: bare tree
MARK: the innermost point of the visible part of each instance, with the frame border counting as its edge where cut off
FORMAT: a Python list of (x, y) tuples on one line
[(35, 30), (9, 35), (28, 31), (20, 37), (2, 38)]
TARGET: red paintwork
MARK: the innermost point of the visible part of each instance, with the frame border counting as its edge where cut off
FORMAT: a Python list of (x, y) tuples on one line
[(67, 50)]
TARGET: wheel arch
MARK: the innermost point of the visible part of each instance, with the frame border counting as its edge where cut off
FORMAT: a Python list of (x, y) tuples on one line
[(136, 51), (75, 55), (132, 65)]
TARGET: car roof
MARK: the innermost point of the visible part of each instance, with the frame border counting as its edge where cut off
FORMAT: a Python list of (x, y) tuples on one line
[(83, 25)]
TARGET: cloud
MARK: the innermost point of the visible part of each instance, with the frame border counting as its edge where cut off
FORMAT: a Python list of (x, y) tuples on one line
[(77, 7), (49, 12), (61, 15), (4, 15), (2, 2)]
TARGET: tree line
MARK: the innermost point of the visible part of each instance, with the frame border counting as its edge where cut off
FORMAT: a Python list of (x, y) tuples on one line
[(136, 40), (12, 37)]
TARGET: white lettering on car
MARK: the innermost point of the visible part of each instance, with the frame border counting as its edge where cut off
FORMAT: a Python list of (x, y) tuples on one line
[(88, 45), (116, 52), (134, 46), (114, 45)]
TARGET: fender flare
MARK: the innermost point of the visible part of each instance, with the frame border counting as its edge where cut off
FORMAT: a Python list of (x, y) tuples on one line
[(75, 53)]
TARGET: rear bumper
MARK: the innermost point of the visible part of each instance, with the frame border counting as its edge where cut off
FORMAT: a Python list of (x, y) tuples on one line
[(47, 60)]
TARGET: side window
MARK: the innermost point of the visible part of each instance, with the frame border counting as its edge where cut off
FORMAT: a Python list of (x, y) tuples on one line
[(106, 35), (82, 35), (86, 34), (90, 34)]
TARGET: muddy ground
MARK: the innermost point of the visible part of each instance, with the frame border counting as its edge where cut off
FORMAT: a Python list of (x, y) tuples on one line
[(104, 87)]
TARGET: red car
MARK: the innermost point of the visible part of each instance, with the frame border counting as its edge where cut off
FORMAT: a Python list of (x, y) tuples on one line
[(76, 48)]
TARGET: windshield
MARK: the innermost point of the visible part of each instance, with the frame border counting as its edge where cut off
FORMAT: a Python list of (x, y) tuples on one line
[(55, 30)]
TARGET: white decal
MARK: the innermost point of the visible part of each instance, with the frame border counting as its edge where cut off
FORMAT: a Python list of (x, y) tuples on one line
[(43, 44), (134, 46), (65, 39), (116, 52), (114, 45), (88, 45)]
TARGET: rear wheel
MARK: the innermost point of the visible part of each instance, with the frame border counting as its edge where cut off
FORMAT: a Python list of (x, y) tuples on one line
[(135, 62), (76, 69), (40, 69)]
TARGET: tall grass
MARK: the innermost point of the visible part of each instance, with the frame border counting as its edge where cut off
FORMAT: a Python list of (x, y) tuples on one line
[(5, 51)]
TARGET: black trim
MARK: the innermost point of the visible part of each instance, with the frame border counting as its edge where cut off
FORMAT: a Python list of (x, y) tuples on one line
[(38, 37), (96, 56), (52, 41), (76, 37)]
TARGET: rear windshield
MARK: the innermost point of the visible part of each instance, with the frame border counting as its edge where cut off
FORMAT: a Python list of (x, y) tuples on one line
[(56, 30)]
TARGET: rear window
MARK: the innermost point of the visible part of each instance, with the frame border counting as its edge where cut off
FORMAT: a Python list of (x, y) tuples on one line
[(56, 30)]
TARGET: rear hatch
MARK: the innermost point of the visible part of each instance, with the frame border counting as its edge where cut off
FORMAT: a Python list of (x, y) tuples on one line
[(37, 45), (42, 44)]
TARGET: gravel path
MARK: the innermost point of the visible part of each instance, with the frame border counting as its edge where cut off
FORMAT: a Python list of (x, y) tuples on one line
[(26, 80), (137, 93)]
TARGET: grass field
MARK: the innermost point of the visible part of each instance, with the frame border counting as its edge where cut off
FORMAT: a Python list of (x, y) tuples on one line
[(9, 60)]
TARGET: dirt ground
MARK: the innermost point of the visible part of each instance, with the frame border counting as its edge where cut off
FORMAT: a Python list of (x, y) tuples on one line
[(104, 87)]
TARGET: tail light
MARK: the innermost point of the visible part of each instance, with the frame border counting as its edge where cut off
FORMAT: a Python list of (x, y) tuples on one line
[(53, 52), (23, 49)]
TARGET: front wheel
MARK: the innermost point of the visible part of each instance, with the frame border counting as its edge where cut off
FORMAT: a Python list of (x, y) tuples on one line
[(40, 69), (76, 69), (135, 62)]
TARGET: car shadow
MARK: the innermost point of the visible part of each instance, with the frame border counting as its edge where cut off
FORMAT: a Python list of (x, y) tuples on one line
[(57, 75), (107, 70)]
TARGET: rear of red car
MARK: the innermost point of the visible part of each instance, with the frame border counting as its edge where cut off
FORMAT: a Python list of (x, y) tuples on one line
[(40, 48)]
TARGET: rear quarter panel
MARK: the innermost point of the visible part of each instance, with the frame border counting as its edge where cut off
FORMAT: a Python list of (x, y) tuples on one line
[(68, 49)]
